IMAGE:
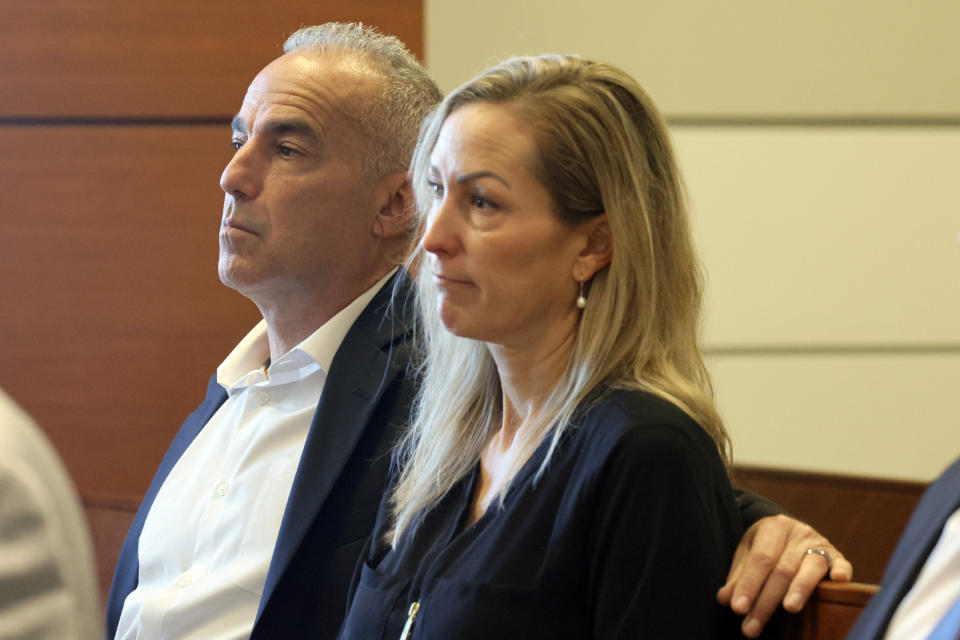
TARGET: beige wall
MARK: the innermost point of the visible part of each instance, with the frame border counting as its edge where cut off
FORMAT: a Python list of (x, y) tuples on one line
[(821, 146)]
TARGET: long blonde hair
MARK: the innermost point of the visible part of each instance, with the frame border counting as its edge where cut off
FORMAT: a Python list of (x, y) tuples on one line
[(602, 147)]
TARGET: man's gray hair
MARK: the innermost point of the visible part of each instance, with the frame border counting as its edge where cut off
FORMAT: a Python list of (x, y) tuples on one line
[(391, 120)]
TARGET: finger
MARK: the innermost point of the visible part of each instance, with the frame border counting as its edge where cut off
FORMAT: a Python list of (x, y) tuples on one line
[(725, 594), (813, 569), (842, 570), (769, 598), (755, 567)]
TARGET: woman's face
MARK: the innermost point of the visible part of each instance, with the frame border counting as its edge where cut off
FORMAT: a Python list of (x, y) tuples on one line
[(504, 265)]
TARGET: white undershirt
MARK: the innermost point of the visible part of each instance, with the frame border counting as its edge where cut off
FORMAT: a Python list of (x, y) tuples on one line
[(207, 542), (935, 589)]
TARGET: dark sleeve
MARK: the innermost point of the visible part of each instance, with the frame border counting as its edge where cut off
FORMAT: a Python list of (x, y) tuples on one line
[(754, 506), (664, 531)]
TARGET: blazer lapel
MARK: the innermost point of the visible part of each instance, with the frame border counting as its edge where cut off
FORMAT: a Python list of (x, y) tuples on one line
[(362, 369)]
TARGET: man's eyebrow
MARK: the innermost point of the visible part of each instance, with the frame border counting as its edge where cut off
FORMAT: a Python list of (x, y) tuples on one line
[(293, 125), (279, 127), (467, 177)]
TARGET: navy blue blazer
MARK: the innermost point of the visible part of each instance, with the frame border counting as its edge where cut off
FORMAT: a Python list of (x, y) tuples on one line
[(338, 485), (923, 531)]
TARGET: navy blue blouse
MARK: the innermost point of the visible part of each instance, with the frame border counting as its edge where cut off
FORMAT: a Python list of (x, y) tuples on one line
[(628, 534)]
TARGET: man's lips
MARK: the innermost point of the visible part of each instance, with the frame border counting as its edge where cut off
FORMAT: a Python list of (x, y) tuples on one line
[(233, 224)]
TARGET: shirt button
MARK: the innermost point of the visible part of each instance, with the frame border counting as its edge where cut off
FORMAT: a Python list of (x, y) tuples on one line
[(184, 580), (263, 397), (222, 489)]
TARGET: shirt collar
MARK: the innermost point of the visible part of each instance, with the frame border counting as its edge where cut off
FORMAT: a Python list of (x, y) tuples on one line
[(243, 367)]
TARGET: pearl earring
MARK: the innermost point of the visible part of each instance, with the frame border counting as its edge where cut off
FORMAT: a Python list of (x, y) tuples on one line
[(581, 299)]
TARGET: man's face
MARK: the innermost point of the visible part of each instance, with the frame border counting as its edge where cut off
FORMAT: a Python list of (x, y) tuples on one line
[(297, 214)]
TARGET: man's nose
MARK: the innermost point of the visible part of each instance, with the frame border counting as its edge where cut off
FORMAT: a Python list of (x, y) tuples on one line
[(241, 177)]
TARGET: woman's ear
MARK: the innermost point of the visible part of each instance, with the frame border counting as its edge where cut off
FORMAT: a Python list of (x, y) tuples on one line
[(398, 215), (598, 250)]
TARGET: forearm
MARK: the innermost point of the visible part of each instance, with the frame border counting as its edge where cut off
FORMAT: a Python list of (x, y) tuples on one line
[(753, 507)]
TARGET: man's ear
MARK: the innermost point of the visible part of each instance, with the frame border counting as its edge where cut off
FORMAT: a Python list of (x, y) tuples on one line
[(598, 250), (398, 213)]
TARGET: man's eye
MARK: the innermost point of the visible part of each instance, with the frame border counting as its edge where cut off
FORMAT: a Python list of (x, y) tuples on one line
[(286, 151)]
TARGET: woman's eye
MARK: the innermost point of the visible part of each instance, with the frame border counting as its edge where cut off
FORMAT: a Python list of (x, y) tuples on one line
[(236, 144), (479, 202), (435, 187)]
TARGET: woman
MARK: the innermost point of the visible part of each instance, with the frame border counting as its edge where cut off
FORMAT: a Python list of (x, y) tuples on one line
[(564, 475)]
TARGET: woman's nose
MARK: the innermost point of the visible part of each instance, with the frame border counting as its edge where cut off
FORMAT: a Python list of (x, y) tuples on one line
[(440, 235)]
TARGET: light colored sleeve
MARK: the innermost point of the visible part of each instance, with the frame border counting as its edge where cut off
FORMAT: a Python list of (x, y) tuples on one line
[(48, 585)]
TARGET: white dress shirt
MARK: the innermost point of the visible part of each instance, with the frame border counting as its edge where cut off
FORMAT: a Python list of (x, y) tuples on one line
[(208, 540), (935, 589)]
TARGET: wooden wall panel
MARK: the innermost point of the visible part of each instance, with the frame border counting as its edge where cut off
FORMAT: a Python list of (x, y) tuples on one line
[(99, 58), (114, 128), (114, 316)]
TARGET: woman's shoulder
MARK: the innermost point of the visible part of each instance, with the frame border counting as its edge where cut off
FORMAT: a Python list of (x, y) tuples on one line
[(640, 424), (626, 410)]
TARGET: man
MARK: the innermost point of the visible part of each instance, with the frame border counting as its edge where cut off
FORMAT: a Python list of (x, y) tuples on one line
[(317, 214), (920, 590), (255, 519), (47, 577)]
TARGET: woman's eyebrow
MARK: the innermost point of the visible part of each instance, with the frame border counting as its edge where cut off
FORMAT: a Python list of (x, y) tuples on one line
[(467, 177)]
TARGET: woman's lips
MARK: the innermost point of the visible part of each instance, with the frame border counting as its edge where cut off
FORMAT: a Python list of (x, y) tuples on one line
[(445, 280)]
